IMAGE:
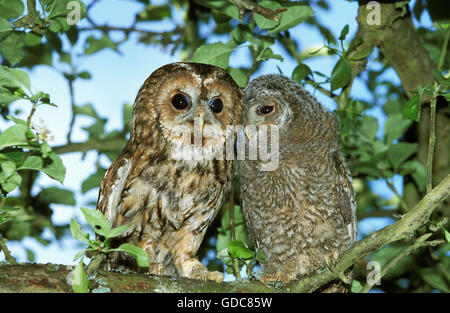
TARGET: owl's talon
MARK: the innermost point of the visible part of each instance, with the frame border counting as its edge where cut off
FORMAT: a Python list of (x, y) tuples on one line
[(156, 269)]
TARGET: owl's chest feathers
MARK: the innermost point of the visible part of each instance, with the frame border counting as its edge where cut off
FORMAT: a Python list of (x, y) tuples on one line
[(170, 194)]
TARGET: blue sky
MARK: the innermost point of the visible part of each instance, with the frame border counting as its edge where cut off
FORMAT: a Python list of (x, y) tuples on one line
[(116, 80)]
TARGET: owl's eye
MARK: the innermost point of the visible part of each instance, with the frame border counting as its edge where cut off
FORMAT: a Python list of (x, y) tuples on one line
[(180, 101), (216, 105), (265, 109)]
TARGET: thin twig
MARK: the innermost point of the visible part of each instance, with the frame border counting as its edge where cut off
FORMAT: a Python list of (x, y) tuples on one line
[(73, 107), (400, 199), (420, 242), (8, 257), (432, 134), (255, 8)]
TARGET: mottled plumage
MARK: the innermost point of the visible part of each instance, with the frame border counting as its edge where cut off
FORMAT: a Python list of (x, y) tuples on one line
[(168, 203), (302, 214)]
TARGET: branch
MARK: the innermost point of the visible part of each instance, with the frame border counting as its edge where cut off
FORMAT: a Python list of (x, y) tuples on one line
[(102, 145), (251, 6), (52, 278)]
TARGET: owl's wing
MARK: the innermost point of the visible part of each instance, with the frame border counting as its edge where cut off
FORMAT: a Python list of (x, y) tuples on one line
[(112, 186), (345, 194)]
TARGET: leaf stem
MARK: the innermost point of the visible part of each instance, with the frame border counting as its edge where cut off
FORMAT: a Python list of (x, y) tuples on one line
[(8, 257)]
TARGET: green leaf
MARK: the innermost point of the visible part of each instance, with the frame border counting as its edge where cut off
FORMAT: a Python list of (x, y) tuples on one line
[(10, 183), (222, 6), (14, 136), (86, 109), (84, 75), (341, 74), (344, 32), (395, 126), (140, 255), (300, 72), (5, 26), (446, 234), (79, 279), (94, 45), (217, 54), (11, 9), (261, 21), (8, 168), (238, 250), (57, 195), (154, 13), (356, 286), (14, 78), (361, 54), (52, 166), (434, 279), (412, 108), (96, 218), (93, 181), (116, 231), (297, 12), (369, 126), (11, 47), (32, 39), (77, 232), (418, 172), (398, 153)]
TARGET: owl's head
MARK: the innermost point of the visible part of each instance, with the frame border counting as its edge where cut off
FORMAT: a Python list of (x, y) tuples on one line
[(277, 100), (178, 96)]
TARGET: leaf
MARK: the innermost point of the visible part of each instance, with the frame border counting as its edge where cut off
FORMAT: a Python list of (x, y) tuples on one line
[(11, 47), (52, 166), (300, 72), (116, 231), (222, 6), (217, 54), (86, 109), (94, 45), (93, 181), (5, 26), (361, 54), (369, 126), (14, 136), (395, 126), (341, 74), (11, 9), (96, 218), (434, 279), (344, 32), (400, 152), (412, 108), (32, 39), (14, 78), (154, 13), (10, 183), (418, 172), (356, 286), (79, 279), (297, 12), (238, 250), (140, 255), (446, 234), (8, 168), (77, 232), (57, 195)]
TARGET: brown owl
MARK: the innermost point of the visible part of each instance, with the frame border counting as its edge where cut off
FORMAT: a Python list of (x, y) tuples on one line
[(169, 182), (301, 213)]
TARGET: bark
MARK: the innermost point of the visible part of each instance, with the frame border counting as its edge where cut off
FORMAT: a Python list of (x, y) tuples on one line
[(54, 278)]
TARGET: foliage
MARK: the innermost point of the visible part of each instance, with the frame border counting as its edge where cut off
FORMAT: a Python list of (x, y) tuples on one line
[(377, 149)]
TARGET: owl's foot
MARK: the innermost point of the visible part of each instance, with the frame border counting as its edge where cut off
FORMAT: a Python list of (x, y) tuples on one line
[(194, 269), (271, 280), (331, 260), (156, 269)]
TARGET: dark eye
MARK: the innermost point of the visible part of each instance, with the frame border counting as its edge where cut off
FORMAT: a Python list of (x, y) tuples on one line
[(216, 105), (266, 109), (180, 101)]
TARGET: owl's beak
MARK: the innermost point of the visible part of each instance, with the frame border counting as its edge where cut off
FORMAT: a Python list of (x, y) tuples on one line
[(248, 133), (200, 122)]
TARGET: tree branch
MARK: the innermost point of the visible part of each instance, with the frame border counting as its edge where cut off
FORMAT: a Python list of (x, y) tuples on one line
[(45, 278)]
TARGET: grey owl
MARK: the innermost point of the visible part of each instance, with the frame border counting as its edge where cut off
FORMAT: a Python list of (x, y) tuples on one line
[(157, 186), (302, 213)]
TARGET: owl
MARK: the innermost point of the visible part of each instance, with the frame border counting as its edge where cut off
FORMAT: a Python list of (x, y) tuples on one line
[(170, 180), (301, 213)]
